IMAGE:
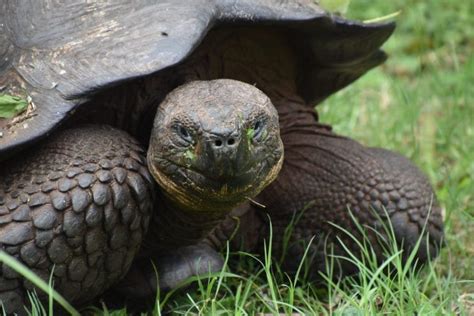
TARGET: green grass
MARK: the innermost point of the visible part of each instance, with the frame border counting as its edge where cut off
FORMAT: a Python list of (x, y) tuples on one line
[(420, 103), (261, 287)]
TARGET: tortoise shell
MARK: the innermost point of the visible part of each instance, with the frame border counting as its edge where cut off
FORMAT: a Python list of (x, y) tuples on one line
[(63, 55)]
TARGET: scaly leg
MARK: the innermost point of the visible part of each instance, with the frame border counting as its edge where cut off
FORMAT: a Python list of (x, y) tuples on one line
[(79, 202), (325, 175)]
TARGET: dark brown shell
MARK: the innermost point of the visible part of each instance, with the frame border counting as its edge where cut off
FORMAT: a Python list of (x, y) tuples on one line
[(59, 54)]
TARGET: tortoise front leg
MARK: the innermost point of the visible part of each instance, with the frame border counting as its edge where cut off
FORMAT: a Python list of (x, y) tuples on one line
[(326, 175), (169, 268), (77, 204)]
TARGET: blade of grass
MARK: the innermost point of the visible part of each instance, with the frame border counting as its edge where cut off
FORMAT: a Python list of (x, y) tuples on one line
[(37, 281)]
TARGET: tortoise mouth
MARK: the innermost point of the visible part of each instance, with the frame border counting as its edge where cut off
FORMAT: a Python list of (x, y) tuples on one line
[(238, 180), (199, 183), (196, 190)]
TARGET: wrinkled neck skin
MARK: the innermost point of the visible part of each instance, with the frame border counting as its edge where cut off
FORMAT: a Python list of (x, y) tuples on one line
[(175, 225)]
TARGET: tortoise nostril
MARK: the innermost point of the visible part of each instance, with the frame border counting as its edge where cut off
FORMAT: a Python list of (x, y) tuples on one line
[(218, 143), (231, 141)]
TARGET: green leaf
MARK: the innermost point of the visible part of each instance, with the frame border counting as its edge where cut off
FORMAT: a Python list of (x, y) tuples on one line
[(11, 105), (250, 133)]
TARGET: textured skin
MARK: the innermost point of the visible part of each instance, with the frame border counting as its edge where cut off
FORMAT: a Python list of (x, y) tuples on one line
[(82, 202)]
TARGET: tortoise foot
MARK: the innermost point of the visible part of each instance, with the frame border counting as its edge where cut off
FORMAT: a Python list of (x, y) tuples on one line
[(173, 268)]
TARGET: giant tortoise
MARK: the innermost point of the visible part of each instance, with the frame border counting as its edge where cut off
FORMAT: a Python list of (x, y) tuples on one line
[(96, 184)]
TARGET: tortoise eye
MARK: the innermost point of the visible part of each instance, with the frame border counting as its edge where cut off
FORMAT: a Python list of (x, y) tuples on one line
[(184, 133), (257, 125), (258, 129)]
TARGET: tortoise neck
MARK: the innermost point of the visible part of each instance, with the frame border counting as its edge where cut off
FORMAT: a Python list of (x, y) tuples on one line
[(174, 225)]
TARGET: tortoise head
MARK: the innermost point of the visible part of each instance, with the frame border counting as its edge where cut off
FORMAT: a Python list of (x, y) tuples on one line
[(215, 144)]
